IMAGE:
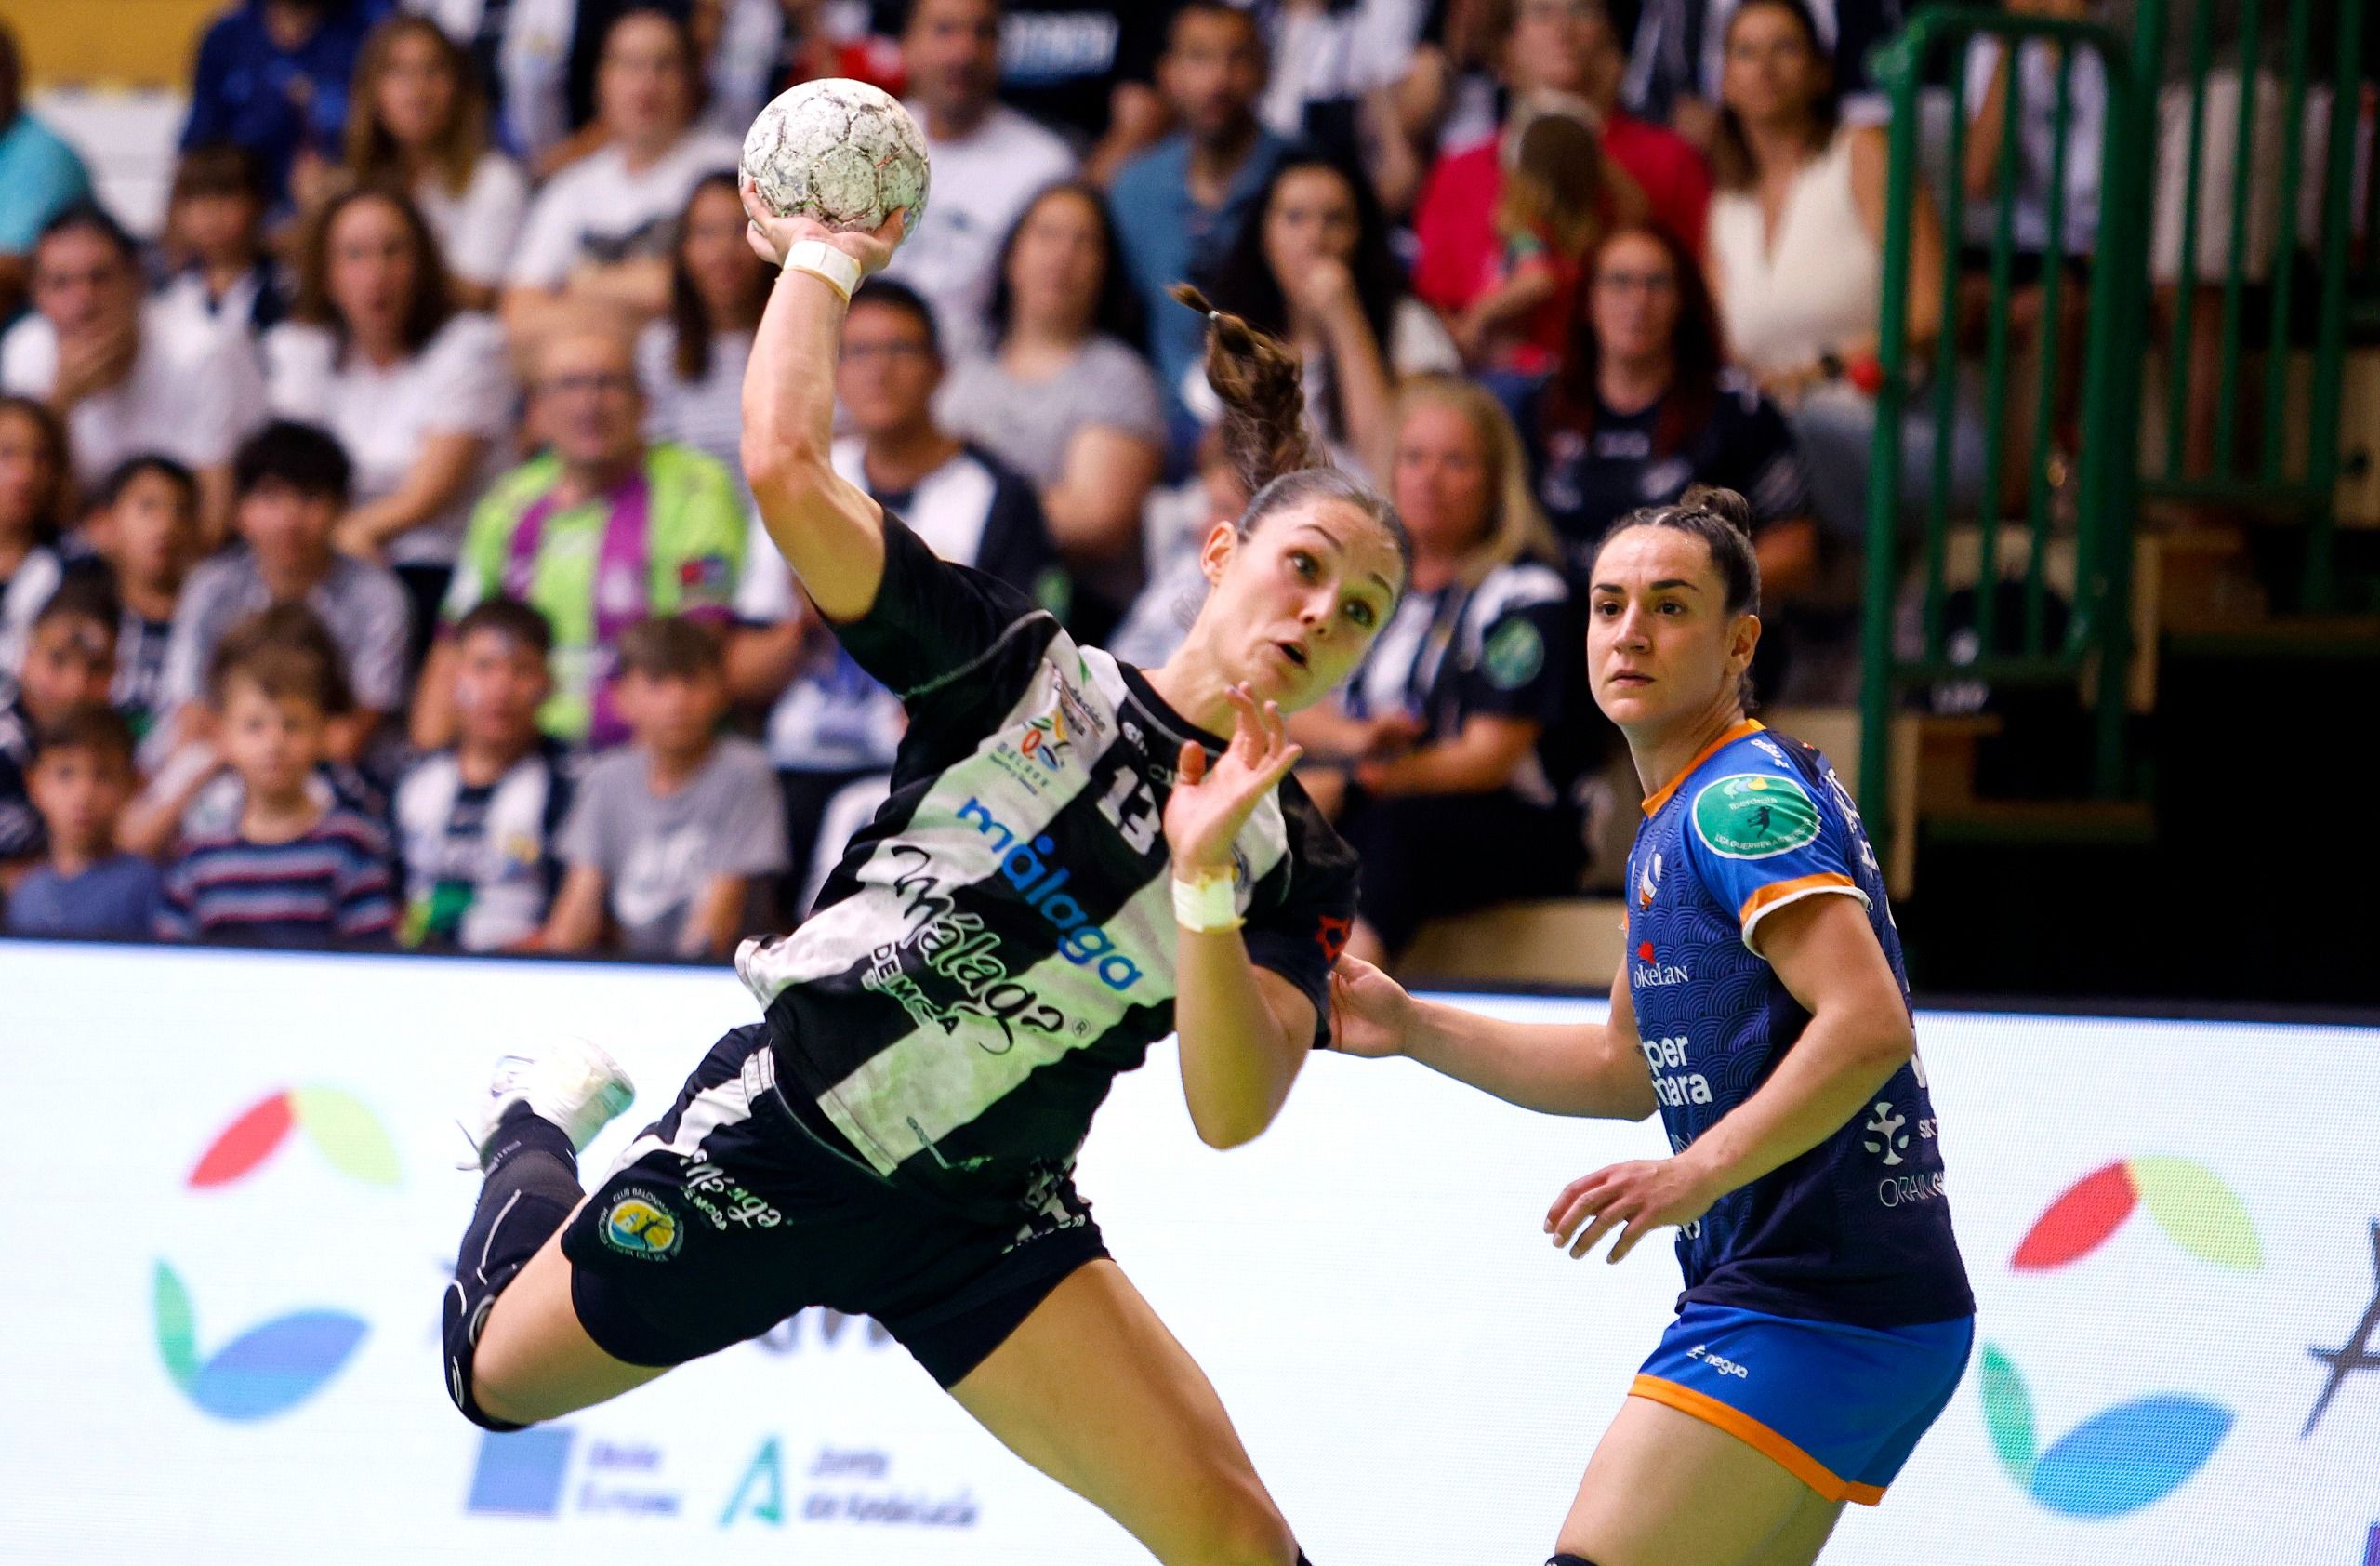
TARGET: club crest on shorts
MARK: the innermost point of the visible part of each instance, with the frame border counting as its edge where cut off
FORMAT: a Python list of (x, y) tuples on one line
[(636, 1223)]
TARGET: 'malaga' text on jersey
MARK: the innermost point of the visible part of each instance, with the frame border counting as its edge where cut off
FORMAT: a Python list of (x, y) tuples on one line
[(999, 942)]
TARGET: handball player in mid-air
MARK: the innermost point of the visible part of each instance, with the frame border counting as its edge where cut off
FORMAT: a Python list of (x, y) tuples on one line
[(1077, 859)]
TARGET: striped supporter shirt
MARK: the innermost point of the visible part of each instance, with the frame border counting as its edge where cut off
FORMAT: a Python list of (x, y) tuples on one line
[(330, 887)]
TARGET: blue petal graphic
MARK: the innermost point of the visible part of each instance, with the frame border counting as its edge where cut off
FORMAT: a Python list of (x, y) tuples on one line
[(2121, 1459), (277, 1365)]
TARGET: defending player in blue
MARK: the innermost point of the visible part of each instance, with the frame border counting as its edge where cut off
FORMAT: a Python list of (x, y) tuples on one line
[(1764, 1012)]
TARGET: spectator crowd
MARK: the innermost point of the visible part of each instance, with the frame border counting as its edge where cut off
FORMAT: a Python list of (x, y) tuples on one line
[(376, 567)]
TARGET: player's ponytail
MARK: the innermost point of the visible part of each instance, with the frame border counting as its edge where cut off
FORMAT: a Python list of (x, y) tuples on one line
[(1722, 519), (1260, 384)]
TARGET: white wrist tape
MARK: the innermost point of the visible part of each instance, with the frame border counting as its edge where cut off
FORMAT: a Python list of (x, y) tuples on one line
[(824, 262), (1205, 904)]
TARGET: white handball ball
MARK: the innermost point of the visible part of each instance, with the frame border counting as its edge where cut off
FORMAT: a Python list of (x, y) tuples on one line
[(838, 151)]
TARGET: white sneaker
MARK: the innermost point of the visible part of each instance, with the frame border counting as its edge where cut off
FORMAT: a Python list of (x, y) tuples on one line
[(570, 1083)]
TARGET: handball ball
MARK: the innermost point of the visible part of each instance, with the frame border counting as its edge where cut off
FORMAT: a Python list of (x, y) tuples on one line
[(838, 151)]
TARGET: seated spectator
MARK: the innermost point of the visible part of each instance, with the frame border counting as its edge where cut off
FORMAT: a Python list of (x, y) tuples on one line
[(1678, 54), (82, 778), (417, 392), (1449, 98), (1330, 62), (128, 379), (1178, 205), (419, 125), (144, 523), (476, 822), (759, 48), (1560, 46), (1064, 397), (599, 233), (830, 722), (40, 177), (223, 278), (2029, 185), (70, 658), (33, 495), (988, 160), (271, 76), (1796, 261), (1312, 268), (1092, 70), (598, 532), (673, 842), (1558, 202), (294, 484), (691, 362), (1645, 406), (1461, 728), (519, 57), (296, 864)]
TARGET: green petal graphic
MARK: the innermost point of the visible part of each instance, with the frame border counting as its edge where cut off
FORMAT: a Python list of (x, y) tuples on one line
[(347, 1132), (2199, 1210), (177, 1329), (2008, 1415)]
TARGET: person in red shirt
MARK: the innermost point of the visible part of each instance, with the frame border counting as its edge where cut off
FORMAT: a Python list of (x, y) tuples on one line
[(1553, 46)]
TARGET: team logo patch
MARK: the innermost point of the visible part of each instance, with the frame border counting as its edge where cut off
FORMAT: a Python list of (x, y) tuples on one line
[(1754, 815), (1513, 656), (637, 1225)]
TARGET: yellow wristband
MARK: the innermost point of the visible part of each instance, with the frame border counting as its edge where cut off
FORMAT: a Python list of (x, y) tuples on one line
[(1206, 904)]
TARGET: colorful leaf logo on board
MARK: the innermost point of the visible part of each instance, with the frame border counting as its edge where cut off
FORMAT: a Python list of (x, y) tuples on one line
[(267, 1370), (275, 1365), (2186, 1199), (337, 1123), (2117, 1461), (2121, 1458)]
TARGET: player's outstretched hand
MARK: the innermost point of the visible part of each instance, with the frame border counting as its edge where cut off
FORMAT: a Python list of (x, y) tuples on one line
[(1632, 1198), (1370, 1012), (1211, 803), (772, 236)]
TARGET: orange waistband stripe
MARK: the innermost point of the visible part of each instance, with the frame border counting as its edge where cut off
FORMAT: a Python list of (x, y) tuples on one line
[(1757, 1435)]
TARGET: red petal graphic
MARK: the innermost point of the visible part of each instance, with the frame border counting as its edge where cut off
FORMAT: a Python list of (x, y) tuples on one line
[(245, 1143), (1645, 951), (2078, 1222)]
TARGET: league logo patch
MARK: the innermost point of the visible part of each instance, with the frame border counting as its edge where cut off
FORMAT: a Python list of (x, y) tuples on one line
[(1754, 815), (637, 1225), (1513, 656)]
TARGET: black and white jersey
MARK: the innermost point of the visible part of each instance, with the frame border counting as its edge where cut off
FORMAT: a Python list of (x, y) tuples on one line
[(1000, 941)]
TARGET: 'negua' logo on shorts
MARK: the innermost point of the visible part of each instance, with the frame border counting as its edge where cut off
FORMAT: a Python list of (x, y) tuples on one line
[(2121, 1458), (279, 1363), (638, 1224)]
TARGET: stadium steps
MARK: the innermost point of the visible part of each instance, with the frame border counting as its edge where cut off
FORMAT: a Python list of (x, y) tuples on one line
[(1568, 943)]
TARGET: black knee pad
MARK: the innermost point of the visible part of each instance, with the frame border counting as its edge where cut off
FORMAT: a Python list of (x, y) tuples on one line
[(1569, 1561), (463, 1325)]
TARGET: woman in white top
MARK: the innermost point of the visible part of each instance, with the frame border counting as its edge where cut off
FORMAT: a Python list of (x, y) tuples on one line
[(1064, 396), (691, 362), (416, 391), (418, 122), (600, 233), (1313, 268), (1796, 252)]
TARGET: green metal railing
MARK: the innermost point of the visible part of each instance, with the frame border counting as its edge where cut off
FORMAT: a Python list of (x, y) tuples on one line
[(2264, 295)]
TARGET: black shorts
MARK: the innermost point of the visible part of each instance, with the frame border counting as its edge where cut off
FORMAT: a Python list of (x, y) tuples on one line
[(728, 1214)]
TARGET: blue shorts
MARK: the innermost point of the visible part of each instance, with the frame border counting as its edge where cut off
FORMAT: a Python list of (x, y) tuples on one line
[(1840, 1406)]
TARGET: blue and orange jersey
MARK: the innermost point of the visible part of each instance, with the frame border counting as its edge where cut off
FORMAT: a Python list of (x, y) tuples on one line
[(1857, 1230)]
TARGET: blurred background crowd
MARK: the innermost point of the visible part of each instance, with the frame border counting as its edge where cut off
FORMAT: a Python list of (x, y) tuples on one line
[(376, 568)]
